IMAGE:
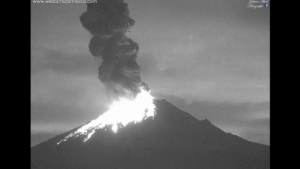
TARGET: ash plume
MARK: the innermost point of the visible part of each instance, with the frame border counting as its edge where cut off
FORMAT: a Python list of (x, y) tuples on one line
[(108, 21)]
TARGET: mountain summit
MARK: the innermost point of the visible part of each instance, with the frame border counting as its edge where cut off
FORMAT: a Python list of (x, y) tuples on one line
[(173, 139)]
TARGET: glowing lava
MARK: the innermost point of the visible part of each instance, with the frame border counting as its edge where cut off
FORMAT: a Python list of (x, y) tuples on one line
[(120, 113)]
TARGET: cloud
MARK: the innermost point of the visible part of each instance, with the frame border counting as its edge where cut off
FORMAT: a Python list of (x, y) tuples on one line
[(66, 99), (61, 93), (56, 111), (199, 81), (65, 108), (235, 10), (258, 136), (152, 68), (63, 62), (214, 60)]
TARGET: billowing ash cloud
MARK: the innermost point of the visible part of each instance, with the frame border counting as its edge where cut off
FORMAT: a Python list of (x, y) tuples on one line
[(108, 21)]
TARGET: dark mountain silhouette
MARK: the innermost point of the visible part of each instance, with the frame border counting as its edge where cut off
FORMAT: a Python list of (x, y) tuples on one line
[(172, 140)]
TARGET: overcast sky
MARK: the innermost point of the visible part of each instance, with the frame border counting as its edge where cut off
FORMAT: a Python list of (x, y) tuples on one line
[(209, 58)]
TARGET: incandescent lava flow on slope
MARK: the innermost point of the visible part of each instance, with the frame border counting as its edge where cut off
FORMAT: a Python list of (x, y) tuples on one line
[(108, 21)]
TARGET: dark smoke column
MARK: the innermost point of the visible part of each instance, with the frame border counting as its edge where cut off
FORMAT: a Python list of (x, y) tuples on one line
[(108, 21)]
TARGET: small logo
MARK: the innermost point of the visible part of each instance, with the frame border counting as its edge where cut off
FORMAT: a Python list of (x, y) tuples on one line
[(266, 5)]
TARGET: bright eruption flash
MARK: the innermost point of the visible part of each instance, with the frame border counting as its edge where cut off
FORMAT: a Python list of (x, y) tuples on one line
[(120, 113)]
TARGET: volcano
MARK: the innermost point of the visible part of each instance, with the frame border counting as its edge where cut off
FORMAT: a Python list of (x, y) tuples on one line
[(173, 139)]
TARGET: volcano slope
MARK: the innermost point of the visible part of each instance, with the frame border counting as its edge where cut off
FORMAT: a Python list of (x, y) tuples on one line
[(173, 139)]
